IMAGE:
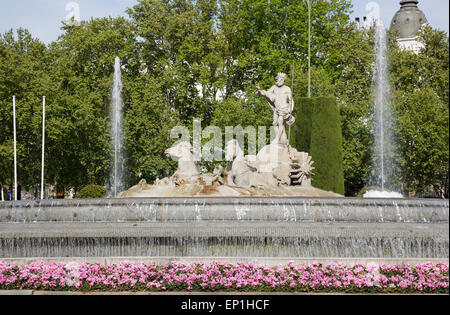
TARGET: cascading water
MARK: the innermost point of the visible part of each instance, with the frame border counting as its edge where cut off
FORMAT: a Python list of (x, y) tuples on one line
[(383, 163), (226, 227), (116, 177)]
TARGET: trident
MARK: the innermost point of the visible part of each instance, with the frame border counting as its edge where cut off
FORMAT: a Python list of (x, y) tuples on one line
[(292, 102)]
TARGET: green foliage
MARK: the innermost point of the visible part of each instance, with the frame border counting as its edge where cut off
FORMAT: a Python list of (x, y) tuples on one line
[(23, 74), (266, 37), (184, 51), (421, 87), (422, 128), (204, 58), (246, 110), (92, 191), (148, 122), (349, 67), (318, 131), (82, 66)]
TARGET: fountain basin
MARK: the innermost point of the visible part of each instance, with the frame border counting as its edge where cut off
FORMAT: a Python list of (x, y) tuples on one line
[(236, 239), (226, 227), (225, 209)]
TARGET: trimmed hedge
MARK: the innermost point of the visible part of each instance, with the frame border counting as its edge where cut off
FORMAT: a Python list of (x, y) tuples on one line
[(318, 131), (92, 191)]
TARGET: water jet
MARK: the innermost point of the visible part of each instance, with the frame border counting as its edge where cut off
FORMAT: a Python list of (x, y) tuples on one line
[(117, 175), (383, 162)]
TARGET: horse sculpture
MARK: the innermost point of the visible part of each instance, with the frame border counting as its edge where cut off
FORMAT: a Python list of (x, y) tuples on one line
[(239, 169), (187, 171)]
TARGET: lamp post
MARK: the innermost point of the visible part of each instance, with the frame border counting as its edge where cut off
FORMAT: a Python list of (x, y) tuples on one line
[(309, 48)]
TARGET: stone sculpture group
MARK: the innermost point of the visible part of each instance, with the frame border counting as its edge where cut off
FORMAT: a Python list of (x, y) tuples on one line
[(277, 170)]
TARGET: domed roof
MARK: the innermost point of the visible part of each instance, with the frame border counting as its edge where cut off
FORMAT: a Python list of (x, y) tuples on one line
[(409, 19)]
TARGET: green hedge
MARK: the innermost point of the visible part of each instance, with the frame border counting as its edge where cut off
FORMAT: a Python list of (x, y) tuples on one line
[(92, 191), (318, 131)]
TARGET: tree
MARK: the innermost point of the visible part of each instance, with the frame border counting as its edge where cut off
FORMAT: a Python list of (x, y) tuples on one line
[(267, 37), (148, 123), (81, 65), (185, 59), (350, 61), (421, 85), (183, 50), (23, 74)]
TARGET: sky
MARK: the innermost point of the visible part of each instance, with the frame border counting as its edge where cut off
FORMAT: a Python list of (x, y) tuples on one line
[(436, 11), (43, 17)]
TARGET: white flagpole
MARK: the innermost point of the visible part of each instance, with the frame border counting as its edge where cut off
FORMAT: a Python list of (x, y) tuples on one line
[(43, 147), (15, 148)]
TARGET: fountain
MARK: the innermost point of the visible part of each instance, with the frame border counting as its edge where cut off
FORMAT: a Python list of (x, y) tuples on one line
[(277, 170), (264, 210), (247, 228), (116, 176), (383, 163)]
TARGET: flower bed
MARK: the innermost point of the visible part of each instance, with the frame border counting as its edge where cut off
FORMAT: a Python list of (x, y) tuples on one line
[(220, 276)]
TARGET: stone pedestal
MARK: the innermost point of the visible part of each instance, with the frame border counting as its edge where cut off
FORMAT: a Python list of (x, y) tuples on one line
[(275, 161)]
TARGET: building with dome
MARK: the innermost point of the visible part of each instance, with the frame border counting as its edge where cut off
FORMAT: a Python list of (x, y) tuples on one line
[(407, 22)]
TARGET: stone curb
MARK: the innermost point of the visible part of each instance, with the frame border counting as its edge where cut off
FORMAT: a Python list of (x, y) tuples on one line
[(196, 209), (271, 261)]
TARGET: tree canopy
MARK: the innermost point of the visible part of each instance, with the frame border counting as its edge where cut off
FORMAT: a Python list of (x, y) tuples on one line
[(186, 59)]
